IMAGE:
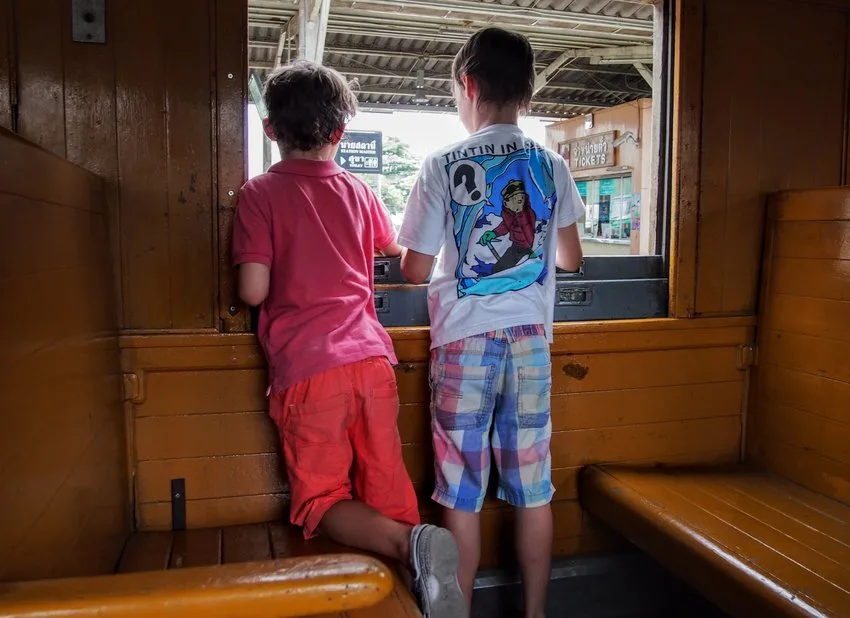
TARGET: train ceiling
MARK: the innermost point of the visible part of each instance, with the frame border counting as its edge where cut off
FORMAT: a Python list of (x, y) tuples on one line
[(590, 54)]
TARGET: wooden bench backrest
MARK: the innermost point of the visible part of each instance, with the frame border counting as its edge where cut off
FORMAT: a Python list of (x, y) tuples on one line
[(63, 466), (799, 413)]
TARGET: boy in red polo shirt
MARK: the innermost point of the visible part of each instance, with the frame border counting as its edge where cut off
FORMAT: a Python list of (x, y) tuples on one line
[(304, 239)]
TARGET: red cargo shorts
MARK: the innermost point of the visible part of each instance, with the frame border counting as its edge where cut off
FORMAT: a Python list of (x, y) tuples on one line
[(340, 428)]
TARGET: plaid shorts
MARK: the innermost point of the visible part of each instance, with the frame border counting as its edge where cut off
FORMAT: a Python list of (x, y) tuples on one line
[(490, 398)]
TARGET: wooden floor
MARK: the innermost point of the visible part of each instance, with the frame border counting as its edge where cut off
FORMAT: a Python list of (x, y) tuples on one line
[(154, 551), (755, 544)]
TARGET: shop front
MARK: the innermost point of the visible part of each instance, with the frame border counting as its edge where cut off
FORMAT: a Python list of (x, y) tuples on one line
[(606, 152)]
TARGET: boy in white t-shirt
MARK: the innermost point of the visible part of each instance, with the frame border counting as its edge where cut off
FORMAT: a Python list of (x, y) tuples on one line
[(497, 208)]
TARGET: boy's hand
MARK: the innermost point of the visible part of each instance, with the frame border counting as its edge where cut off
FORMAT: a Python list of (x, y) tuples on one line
[(487, 237)]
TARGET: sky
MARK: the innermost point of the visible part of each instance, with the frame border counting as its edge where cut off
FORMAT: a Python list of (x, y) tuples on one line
[(425, 132)]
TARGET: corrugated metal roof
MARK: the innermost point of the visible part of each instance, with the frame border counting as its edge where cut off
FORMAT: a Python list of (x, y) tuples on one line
[(384, 43)]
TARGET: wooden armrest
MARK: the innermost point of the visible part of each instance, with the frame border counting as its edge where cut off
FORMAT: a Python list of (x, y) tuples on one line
[(281, 589)]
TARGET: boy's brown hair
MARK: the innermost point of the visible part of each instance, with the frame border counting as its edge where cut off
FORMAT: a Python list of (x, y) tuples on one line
[(502, 65), (307, 105)]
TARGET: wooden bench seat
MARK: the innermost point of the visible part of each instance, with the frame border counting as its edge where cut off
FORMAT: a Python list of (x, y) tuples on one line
[(155, 551), (755, 544)]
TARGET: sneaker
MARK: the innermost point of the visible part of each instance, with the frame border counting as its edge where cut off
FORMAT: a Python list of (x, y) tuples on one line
[(434, 559)]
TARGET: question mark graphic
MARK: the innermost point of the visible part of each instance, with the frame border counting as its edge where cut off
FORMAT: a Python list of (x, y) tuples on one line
[(465, 175)]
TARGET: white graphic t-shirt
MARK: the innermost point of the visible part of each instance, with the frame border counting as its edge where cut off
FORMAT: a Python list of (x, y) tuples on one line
[(489, 207)]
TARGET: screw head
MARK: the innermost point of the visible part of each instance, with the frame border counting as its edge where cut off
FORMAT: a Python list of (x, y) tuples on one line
[(231, 193), (233, 310), (230, 76)]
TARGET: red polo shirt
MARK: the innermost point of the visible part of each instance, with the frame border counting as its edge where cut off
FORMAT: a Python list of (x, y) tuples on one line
[(317, 228)]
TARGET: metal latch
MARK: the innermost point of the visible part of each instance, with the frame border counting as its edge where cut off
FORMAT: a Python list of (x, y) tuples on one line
[(382, 302), (382, 270), (574, 296)]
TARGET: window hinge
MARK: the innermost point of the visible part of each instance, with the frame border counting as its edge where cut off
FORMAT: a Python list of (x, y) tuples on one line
[(133, 388), (747, 356)]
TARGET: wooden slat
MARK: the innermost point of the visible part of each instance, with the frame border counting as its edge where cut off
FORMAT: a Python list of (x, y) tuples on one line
[(813, 509), (215, 512), (697, 532), (288, 542), (656, 440), (687, 138), (625, 370), (195, 548), (809, 431), (280, 589), (209, 477), (41, 109), (231, 83), (813, 355), (205, 435), (757, 506), (829, 204), (817, 317), (190, 173), (812, 470), (597, 409), (793, 548), (820, 278), (7, 62), (719, 53), (591, 410), (804, 391), (90, 127), (245, 543), (824, 240), (740, 245), (143, 160), (203, 392), (146, 551)]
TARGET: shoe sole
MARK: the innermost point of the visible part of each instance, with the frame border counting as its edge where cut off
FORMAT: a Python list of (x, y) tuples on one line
[(450, 603)]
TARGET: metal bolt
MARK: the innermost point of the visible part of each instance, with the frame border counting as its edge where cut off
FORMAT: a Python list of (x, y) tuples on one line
[(230, 76), (177, 495), (233, 310), (231, 193)]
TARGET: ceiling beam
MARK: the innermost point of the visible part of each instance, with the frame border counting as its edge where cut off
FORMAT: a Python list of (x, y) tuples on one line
[(391, 53), (449, 109), (645, 72), (440, 94), (312, 29), (606, 55)]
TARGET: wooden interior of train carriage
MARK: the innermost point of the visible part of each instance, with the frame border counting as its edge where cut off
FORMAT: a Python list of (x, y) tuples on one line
[(124, 366)]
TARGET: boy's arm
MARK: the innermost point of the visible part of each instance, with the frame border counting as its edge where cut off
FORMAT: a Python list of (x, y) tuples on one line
[(252, 247), (415, 266), (423, 229), (253, 283), (569, 254)]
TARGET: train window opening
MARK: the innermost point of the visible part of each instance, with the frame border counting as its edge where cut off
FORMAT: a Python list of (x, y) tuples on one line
[(601, 101)]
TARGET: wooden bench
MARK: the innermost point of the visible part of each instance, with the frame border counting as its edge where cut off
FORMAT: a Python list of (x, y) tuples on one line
[(262, 571), (754, 543)]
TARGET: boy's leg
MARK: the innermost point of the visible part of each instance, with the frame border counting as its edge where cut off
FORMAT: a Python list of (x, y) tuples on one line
[(521, 437), (389, 503), (534, 553), (466, 528), (357, 524), (464, 381)]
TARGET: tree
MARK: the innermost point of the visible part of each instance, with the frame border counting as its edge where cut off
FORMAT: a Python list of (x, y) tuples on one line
[(400, 169)]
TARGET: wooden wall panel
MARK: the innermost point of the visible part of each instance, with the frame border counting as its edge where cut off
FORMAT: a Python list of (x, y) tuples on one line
[(762, 131), (41, 96), (8, 68), (62, 446), (140, 110), (799, 416), (642, 392)]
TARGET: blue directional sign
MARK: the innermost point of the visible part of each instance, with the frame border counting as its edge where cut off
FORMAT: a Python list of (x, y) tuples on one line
[(361, 152)]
